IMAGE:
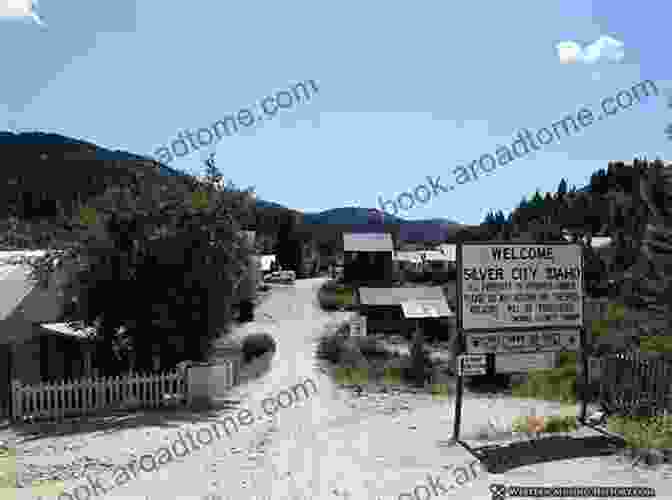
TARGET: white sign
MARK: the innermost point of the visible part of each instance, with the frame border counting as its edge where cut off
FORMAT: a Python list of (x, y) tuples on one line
[(471, 364), (524, 362), (523, 341), (481, 343), (420, 309), (508, 286), (358, 326)]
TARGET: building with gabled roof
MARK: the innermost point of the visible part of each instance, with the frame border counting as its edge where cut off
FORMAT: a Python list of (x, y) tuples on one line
[(30, 351), (368, 258), (395, 310)]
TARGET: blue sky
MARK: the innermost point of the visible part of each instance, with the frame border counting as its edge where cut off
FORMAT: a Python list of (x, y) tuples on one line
[(406, 90)]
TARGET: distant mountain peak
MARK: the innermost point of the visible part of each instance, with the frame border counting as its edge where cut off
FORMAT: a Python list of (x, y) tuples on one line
[(359, 215)]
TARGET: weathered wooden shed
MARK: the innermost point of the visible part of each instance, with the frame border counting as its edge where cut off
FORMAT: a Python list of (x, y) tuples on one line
[(368, 258), (383, 309)]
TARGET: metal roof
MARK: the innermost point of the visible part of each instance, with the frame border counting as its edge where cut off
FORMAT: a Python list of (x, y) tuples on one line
[(407, 257), (436, 256), (367, 242), (419, 256), (66, 330), (596, 241), (426, 309), (395, 296), (449, 250), (14, 282)]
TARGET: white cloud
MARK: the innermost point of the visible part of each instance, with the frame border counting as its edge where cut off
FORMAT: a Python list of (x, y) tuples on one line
[(605, 49), (20, 8)]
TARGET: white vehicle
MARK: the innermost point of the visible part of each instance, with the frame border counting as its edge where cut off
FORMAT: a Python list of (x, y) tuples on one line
[(281, 277)]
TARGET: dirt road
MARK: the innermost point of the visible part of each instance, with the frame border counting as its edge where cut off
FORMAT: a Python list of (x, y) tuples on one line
[(331, 443)]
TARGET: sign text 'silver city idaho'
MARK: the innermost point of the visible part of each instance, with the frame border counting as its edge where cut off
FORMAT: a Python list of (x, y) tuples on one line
[(509, 286)]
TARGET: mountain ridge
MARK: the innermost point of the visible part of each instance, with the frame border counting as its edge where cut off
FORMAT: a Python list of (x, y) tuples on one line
[(355, 216)]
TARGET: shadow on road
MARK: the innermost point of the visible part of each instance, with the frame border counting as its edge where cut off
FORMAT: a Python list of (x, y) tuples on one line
[(115, 421), (503, 458)]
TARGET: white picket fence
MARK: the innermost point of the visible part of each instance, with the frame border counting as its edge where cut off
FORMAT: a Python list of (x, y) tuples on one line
[(91, 395)]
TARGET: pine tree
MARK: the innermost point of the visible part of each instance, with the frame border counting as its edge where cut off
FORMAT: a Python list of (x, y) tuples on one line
[(537, 200), (562, 187), (213, 176), (523, 203)]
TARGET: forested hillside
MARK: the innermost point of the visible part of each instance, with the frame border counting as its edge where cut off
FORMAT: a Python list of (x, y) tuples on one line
[(632, 204), (48, 178)]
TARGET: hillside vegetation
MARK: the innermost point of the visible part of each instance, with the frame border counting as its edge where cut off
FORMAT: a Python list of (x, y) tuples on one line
[(161, 254), (629, 203)]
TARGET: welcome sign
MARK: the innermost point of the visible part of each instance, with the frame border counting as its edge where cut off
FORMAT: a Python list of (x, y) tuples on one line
[(510, 285)]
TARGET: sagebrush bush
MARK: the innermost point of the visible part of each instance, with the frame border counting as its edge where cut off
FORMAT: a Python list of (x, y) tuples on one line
[(333, 295), (643, 432), (348, 375), (557, 384), (331, 346), (656, 343), (256, 345), (371, 348), (550, 424), (557, 423)]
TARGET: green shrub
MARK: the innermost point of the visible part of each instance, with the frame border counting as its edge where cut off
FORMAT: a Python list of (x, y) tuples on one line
[(333, 295), (567, 358), (371, 348), (551, 424), (330, 347), (599, 327), (392, 375), (656, 343), (256, 345), (616, 311), (643, 432), (557, 384), (519, 424), (558, 423)]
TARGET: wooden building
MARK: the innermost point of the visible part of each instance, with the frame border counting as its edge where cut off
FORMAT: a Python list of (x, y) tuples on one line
[(31, 349), (368, 258), (383, 309)]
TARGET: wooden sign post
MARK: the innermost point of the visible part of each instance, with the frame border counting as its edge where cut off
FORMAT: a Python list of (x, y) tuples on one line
[(519, 302), (460, 387)]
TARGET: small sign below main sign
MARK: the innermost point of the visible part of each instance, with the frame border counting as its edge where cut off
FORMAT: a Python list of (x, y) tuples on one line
[(524, 362), (522, 341), (358, 326), (471, 364)]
